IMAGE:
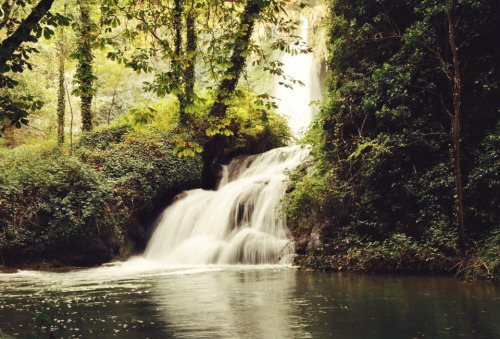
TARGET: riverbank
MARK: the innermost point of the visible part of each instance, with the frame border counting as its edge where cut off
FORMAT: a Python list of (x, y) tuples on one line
[(350, 225)]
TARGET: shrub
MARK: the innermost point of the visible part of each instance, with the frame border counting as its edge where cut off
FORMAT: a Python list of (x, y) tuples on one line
[(81, 210)]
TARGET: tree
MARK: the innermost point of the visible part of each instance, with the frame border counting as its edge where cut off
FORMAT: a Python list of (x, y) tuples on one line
[(189, 72), (61, 90), (84, 75), (182, 32), (14, 54), (451, 69), (22, 33), (171, 27), (412, 99), (215, 146), (454, 76), (237, 61)]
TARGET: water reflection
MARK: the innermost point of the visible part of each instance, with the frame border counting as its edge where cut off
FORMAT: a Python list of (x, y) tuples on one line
[(244, 302), (229, 304), (352, 305)]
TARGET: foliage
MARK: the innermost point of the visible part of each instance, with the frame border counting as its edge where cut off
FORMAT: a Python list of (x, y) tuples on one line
[(251, 126), (143, 167), (382, 189), (47, 202), (182, 34), (105, 138), (487, 262), (161, 115), (22, 22), (81, 210)]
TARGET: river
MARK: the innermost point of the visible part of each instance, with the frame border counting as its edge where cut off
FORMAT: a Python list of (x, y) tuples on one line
[(137, 300)]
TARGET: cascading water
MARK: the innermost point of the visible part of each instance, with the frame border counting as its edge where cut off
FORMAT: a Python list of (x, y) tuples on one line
[(295, 104), (240, 222)]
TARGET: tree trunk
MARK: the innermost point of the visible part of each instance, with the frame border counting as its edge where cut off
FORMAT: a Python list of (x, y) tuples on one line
[(178, 28), (86, 110), (176, 62), (189, 72), (71, 121), (61, 102), (61, 95), (112, 102), (459, 197), (214, 147), (85, 73), (238, 58), (455, 121)]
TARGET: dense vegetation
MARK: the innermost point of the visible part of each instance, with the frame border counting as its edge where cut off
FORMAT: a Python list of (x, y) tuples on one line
[(382, 193), (88, 208), (97, 204), (405, 174), (89, 195)]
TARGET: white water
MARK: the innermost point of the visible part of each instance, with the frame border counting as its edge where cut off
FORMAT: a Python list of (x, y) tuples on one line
[(296, 104), (240, 223)]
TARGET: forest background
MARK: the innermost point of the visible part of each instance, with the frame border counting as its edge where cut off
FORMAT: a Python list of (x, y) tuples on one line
[(121, 105)]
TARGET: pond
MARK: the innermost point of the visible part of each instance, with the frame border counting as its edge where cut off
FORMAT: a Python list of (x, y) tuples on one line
[(136, 300)]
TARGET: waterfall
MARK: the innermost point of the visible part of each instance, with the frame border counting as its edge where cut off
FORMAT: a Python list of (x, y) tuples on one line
[(295, 103), (240, 222)]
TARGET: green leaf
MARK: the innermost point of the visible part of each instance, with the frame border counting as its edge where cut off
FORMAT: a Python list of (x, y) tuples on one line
[(47, 33), (191, 108), (211, 131), (115, 22)]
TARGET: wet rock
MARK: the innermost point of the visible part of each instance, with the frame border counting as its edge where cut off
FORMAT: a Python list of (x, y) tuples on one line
[(180, 196), (5, 269)]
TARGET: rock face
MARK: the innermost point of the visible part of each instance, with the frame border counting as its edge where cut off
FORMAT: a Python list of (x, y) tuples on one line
[(308, 240)]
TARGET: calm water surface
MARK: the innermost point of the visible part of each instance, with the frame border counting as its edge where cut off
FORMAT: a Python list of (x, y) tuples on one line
[(137, 301)]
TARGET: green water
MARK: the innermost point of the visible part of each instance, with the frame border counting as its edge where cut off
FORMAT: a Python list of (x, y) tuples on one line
[(245, 302)]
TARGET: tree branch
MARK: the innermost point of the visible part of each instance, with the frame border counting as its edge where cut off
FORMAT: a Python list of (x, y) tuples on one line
[(23, 32)]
